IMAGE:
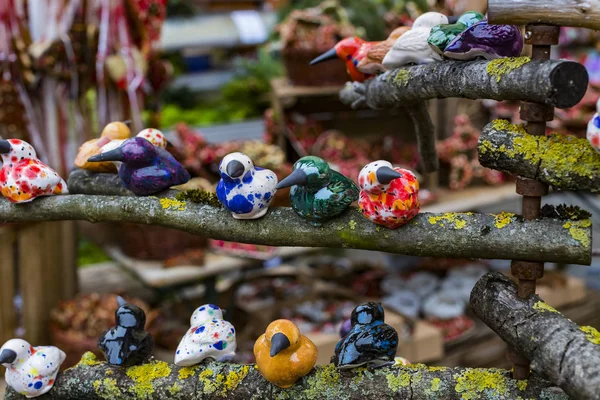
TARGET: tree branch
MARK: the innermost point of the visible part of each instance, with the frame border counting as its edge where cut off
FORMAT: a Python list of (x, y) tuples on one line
[(560, 84), (419, 114), (561, 351), (91, 380), (565, 162), (463, 235)]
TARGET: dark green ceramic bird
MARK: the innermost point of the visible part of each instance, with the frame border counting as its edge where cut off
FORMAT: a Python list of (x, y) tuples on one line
[(317, 192)]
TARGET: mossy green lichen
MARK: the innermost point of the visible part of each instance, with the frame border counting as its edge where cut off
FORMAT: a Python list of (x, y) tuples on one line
[(186, 372), (544, 307), (171, 204), (564, 211), (199, 196), (323, 384), (402, 77), (88, 359), (143, 377), (474, 383), (450, 218), (578, 231), (435, 384), (215, 381), (522, 385), (107, 388), (503, 219), (501, 66), (209, 383), (591, 334), (174, 389), (352, 224), (396, 381)]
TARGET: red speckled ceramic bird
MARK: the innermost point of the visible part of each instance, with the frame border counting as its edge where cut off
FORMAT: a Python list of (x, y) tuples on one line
[(388, 196), (23, 177), (350, 50)]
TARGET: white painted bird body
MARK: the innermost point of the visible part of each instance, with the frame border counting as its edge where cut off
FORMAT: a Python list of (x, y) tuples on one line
[(593, 129)]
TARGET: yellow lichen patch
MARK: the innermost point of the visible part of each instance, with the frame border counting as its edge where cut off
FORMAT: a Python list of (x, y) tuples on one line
[(107, 388), (209, 384), (175, 389), (108, 372), (473, 383), (199, 196), (352, 224), (360, 373), (543, 307), (325, 380), (503, 219), (234, 378), (577, 231), (144, 375), (401, 380), (186, 372), (450, 218), (501, 66), (171, 204), (591, 334), (522, 385), (402, 76), (435, 384), (88, 359)]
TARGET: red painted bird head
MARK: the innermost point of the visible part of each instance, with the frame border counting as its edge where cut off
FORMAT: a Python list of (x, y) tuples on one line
[(344, 50)]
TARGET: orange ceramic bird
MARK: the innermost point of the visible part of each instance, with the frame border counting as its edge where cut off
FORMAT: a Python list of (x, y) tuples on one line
[(283, 355), (351, 50), (371, 63)]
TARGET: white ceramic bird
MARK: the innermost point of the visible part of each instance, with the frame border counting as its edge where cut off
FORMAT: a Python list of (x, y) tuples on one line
[(30, 371), (154, 136), (210, 336), (412, 47), (593, 129), (245, 190)]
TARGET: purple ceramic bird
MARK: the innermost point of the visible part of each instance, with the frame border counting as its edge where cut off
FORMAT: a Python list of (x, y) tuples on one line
[(487, 41), (146, 169), (345, 328)]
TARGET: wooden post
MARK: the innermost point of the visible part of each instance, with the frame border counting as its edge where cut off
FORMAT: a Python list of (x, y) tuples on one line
[(8, 316)]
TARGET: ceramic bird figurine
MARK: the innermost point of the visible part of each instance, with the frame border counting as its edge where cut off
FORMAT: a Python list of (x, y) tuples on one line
[(389, 196), (245, 190), (115, 131), (210, 336), (154, 136), (126, 344), (371, 63), (350, 50), (412, 47), (146, 169), (23, 176), (317, 192), (370, 342), (593, 129), (30, 371), (345, 328), (283, 355), (442, 35), (487, 41)]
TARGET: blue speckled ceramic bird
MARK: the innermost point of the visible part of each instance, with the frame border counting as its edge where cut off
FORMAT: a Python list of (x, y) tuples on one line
[(244, 189), (146, 169), (370, 342)]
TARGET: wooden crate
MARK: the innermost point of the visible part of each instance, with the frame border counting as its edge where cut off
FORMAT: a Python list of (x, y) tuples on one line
[(37, 261)]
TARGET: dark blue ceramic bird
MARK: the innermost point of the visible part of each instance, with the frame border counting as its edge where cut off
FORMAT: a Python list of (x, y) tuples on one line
[(126, 344), (146, 169), (370, 341)]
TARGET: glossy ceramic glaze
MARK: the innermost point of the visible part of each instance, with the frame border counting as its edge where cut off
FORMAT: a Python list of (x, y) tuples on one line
[(442, 35), (283, 355), (210, 336), (317, 192), (345, 328), (370, 342), (111, 132), (351, 51), (487, 41), (23, 177), (245, 190), (371, 64), (593, 129), (412, 47), (146, 169), (388, 196), (30, 371), (154, 136), (127, 344)]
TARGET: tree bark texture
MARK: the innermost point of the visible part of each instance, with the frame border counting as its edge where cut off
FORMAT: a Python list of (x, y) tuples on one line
[(425, 130), (564, 162), (560, 84), (461, 235), (578, 13), (91, 380), (561, 351)]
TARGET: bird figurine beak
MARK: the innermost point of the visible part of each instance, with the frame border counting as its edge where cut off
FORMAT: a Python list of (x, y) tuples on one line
[(385, 175), (5, 146), (121, 301), (113, 155), (7, 356), (328, 55), (235, 169), (298, 177), (279, 342), (452, 19)]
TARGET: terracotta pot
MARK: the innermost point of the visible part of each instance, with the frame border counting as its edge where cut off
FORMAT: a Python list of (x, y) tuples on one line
[(301, 73)]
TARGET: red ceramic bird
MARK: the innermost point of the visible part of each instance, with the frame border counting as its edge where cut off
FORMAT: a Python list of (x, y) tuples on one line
[(351, 50)]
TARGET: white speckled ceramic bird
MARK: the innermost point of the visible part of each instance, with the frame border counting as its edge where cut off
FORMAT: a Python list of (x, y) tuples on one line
[(412, 47), (30, 371), (245, 190), (593, 129), (210, 336)]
